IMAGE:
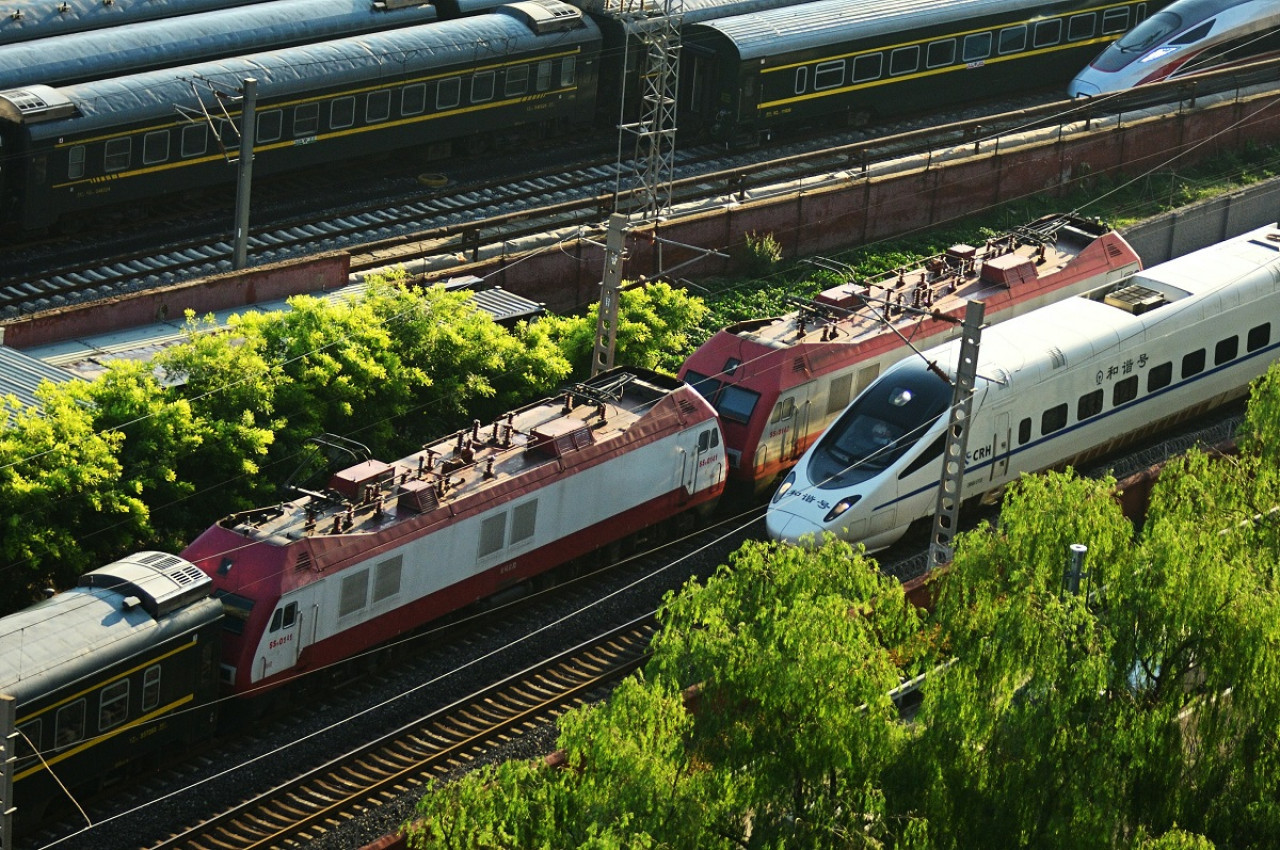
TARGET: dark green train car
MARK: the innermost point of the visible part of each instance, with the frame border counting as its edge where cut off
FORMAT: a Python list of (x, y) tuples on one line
[(837, 61), (108, 674)]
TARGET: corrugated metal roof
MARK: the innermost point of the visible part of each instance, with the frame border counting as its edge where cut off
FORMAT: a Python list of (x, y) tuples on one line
[(20, 374)]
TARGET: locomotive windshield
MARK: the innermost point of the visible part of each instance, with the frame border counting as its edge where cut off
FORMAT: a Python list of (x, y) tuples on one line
[(1138, 41), (731, 401), (880, 425)]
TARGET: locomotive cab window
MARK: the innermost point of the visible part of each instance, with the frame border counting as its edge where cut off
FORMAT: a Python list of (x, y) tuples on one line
[(306, 119), (1193, 363), (828, 75), (516, 82), (1193, 35), (1159, 377), (1226, 350), (75, 162), (708, 440), (235, 611), (867, 67), (783, 410), (976, 47), (69, 725), (1047, 33), (270, 125), (377, 107), (155, 147), (448, 93), (1012, 40), (904, 60), (1115, 21), (413, 100), (113, 705), (115, 155), (482, 87), (284, 618), (1053, 419), (1080, 27), (1258, 337), (342, 113), (940, 53)]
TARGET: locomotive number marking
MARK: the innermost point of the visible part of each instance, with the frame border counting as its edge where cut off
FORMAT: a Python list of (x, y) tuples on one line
[(280, 641), (508, 568)]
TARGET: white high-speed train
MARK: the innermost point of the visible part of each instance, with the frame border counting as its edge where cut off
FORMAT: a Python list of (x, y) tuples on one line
[(1186, 37), (1059, 385)]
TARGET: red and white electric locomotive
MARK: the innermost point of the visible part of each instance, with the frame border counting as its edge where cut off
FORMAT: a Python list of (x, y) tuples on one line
[(779, 382), (388, 547)]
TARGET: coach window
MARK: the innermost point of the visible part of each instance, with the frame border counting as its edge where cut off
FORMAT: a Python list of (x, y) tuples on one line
[(386, 578), (195, 139), (866, 68), (828, 75), (1024, 431), (1080, 27), (1048, 33), (448, 93), (940, 53), (542, 81), (523, 520), (976, 47), (1124, 391), (151, 687), (113, 705), (1258, 337), (904, 60), (1115, 20), (28, 743), (1159, 377), (516, 82), (568, 71), (75, 162), (377, 107), (802, 79), (1089, 404), (482, 87), (1053, 419), (342, 113), (306, 119), (1193, 363), (1226, 350), (116, 154), (270, 125), (413, 100), (69, 725), (155, 147), (492, 531), (1013, 39), (355, 591)]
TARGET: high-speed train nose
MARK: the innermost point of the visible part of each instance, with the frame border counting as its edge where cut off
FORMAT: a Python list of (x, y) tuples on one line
[(787, 527), (1083, 88)]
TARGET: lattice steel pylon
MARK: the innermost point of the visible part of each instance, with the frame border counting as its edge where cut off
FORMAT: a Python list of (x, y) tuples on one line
[(653, 29)]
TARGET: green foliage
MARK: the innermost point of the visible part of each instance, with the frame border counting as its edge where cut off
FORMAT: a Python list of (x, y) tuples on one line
[(762, 252), (656, 329)]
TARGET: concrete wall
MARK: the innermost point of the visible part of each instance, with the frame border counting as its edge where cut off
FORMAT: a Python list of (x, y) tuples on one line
[(1199, 225)]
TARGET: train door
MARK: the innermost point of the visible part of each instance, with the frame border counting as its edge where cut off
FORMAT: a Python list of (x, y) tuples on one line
[(779, 438), (703, 468), (1000, 443), (283, 641)]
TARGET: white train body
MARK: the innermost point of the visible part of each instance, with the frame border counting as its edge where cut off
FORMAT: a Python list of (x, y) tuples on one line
[(1059, 385), (1183, 38), (389, 547)]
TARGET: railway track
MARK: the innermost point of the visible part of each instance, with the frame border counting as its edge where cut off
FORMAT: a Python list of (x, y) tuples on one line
[(416, 755), (459, 219)]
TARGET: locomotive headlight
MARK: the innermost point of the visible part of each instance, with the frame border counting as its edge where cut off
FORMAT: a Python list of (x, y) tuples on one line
[(784, 487), (841, 506)]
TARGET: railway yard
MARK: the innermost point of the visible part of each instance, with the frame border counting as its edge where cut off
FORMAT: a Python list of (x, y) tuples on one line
[(340, 760)]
